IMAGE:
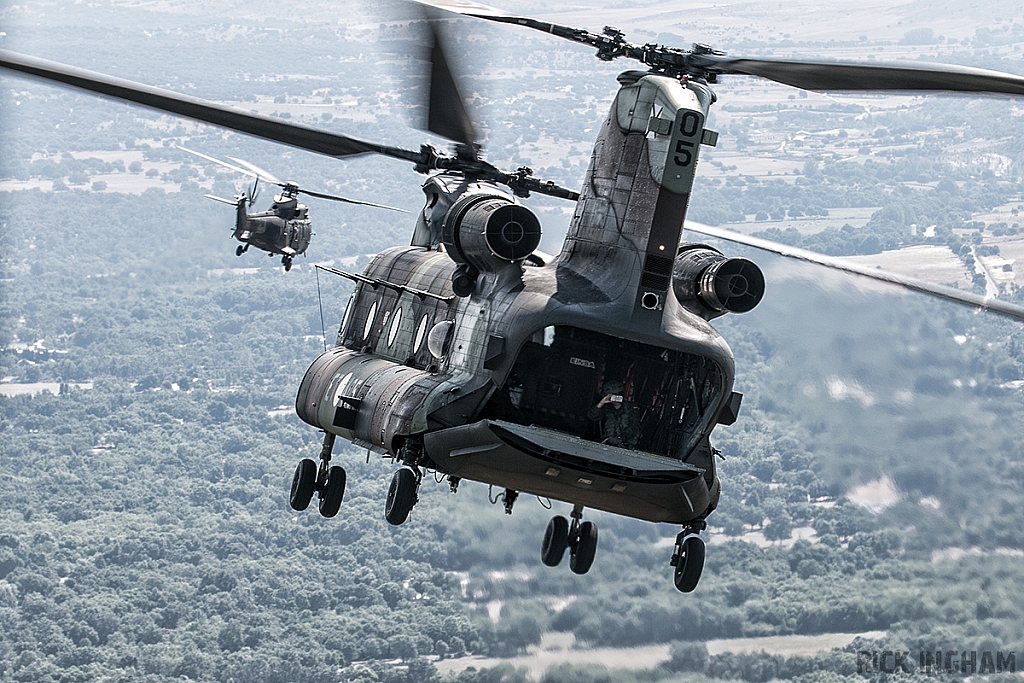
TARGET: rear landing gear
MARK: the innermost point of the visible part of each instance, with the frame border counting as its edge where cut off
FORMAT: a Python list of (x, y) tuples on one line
[(688, 558), (303, 485), (326, 480), (580, 539), (556, 540), (287, 263)]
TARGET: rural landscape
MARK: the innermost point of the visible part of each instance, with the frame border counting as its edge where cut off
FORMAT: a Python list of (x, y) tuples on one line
[(873, 485)]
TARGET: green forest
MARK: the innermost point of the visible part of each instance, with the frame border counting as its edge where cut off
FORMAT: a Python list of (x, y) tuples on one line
[(145, 532)]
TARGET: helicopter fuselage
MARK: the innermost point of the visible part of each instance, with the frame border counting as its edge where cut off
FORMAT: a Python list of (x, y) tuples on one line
[(496, 385), (284, 229)]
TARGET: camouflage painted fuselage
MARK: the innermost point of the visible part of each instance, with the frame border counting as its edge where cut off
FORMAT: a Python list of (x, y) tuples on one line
[(501, 401)]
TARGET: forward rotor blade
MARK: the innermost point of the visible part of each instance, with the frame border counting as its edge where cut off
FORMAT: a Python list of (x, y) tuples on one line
[(322, 142), (446, 110), (265, 175), (336, 198), (995, 305), (849, 76)]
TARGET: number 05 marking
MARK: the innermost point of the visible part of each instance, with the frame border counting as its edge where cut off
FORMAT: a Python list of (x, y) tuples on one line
[(689, 126)]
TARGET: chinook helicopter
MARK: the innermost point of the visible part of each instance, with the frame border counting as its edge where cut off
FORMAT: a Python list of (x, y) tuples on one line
[(285, 228), (471, 354)]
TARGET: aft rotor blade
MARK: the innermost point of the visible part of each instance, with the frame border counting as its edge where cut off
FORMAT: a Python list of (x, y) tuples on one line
[(336, 198), (850, 76), (446, 110), (969, 298), (475, 9), (322, 142)]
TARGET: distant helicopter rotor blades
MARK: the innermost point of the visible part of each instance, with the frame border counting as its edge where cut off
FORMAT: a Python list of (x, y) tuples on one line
[(219, 162), (257, 171), (963, 297), (254, 171), (221, 199), (336, 198)]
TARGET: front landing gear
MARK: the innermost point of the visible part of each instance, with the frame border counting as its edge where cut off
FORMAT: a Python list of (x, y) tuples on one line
[(327, 480), (688, 558), (580, 539), (401, 496), (405, 484)]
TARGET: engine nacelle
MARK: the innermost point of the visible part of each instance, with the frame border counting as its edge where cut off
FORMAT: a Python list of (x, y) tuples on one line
[(723, 285), (486, 232)]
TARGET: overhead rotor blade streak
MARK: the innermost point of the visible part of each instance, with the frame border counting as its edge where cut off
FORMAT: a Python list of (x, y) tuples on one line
[(446, 110), (849, 76), (969, 298), (322, 142)]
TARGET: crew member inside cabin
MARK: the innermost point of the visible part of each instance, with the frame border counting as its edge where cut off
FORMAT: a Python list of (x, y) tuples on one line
[(616, 416)]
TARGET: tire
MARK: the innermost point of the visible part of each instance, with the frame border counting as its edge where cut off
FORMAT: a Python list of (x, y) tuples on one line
[(333, 492), (239, 250), (556, 540), (690, 565), (401, 496), (582, 555), (303, 485)]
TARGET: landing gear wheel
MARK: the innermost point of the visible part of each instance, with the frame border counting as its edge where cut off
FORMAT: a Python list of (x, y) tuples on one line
[(556, 540), (333, 491), (239, 250), (582, 555), (401, 496), (689, 565), (303, 485), (287, 263)]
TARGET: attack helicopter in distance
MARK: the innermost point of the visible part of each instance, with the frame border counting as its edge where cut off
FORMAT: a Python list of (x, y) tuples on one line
[(285, 228), (471, 354)]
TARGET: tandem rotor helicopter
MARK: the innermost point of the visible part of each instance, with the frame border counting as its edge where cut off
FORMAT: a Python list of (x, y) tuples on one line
[(594, 377)]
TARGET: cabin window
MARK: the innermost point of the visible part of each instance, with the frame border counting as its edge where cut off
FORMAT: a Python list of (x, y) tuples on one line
[(421, 332), (396, 322), (370, 317)]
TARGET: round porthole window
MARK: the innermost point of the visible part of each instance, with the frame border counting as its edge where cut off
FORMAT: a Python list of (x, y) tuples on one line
[(440, 338)]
